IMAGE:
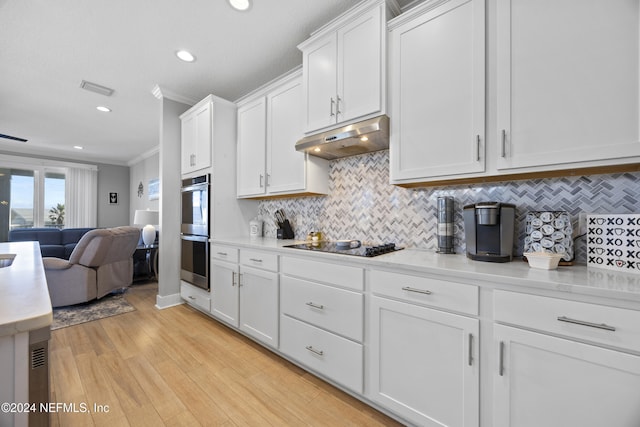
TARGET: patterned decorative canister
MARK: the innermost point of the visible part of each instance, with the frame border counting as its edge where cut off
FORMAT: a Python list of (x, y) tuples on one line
[(549, 231), (613, 242)]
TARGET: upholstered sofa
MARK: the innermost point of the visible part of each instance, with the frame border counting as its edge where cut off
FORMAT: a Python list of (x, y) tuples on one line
[(100, 263), (54, 242)]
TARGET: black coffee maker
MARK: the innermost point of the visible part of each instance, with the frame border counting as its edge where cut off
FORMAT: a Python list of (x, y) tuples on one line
[(489, 229)]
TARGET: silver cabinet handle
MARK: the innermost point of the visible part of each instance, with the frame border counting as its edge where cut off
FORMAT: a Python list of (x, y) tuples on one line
[(240, 279), (192, 297), (503, 143), (331, 113), (261, 179), (222, 253), (338, 99), (267, 181), (318, 306), (589, 324), (477, 148), (233, 278), (313, 350), (470, 349), (255, 260), (501, 367), (419, 291)]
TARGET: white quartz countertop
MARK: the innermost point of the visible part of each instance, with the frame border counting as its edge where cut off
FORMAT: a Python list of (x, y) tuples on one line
[(576, 279), (24, 297)]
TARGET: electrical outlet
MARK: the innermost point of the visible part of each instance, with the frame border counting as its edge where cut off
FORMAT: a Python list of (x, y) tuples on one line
[(582, 223)]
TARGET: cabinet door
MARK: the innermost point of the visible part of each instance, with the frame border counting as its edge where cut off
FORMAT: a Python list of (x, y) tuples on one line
[(203, 122), (285, 165), (567, 81), (196, 139), (224, 292), (359, 67), (252, 132), (319, 77), (188, 139), (554, 382), (259, 304), (424, 364), (438, 92)]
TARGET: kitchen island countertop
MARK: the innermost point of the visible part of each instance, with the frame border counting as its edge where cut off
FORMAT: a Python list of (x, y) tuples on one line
[(24, 297), (576, 279)]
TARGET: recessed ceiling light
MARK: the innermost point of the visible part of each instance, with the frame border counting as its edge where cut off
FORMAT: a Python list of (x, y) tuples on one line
[(78, 147), (240, 4), (185, 56), (103, 109)]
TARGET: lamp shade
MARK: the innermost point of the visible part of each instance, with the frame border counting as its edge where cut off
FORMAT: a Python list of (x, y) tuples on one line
[(148, 219)]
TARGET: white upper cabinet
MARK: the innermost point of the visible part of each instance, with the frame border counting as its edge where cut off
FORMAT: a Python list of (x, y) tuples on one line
[(344, 68), (197, 136), (252, 128), (567, 80), (437, 91), (269, 125), (285, 166)]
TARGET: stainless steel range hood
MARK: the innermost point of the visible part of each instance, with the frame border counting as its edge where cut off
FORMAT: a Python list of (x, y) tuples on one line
[(357, 138)]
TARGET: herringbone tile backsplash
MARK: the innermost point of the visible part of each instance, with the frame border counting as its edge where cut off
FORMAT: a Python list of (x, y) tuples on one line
[(363, 205)]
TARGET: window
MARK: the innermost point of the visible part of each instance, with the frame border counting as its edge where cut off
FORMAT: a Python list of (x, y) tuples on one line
[(54, 185), (36, 198), (46, 193)]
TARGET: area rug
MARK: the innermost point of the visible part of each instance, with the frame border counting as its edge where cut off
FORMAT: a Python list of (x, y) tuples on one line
[(107, 306)]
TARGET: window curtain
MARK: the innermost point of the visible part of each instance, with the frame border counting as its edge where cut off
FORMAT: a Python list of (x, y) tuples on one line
[(81, 197)]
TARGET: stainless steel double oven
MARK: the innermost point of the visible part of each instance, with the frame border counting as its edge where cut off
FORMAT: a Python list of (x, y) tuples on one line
[(194, 231)]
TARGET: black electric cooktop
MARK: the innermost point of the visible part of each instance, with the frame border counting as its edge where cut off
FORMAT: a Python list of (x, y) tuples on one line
[(354, 247)]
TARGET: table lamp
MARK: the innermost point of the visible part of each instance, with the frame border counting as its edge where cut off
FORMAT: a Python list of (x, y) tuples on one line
[(148, 219)]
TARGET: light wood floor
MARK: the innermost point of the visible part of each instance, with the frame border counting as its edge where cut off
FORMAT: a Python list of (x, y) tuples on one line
[(177, 367)]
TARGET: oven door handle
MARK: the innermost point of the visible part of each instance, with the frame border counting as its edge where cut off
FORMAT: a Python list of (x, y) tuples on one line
[(195, 187), (194, 238)]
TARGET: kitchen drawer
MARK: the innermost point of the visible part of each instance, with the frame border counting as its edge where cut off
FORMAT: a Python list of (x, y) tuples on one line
[(337, 358), (334, 274), (584, 321), (196, 296), (224, 253), (259, 259), (426, 290), (338, 310)]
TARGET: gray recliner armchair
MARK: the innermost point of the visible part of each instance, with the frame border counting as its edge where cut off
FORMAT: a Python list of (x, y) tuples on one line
[(100, 263)]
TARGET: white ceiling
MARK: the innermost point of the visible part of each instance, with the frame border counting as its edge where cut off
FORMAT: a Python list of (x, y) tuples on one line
[(48, 47)]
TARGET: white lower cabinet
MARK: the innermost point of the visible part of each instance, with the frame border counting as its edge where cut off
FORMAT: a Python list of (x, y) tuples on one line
[(225, 291), (328, 354), (322, 319), (246, 296), (582, 375), (424, 363), (259, 304), (555, 382), (195, 296)]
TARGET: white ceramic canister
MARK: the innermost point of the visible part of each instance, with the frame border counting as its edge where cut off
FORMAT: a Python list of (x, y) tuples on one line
[(255, 228)]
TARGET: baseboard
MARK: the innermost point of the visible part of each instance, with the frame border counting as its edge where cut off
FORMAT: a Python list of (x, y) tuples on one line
[(166, 301)]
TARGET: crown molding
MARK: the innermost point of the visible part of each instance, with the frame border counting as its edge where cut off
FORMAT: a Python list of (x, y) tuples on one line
[(160, 93)]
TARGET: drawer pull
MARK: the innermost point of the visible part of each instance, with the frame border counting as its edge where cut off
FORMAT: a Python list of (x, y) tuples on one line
[(313, 350), (222, 253), (470, 349), (419, 291), (255, 260), (318, 306), (501, 367), (192, 298), (584, 323)]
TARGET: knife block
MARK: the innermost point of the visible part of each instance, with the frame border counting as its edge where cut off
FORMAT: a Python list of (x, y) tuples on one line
[(285, 232)]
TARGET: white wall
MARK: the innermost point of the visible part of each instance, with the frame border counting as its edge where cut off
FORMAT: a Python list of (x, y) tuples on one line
[(141, 172), (169, 242)]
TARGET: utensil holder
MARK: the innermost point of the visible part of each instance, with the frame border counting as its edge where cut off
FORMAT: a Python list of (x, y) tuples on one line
[(285, 231)]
